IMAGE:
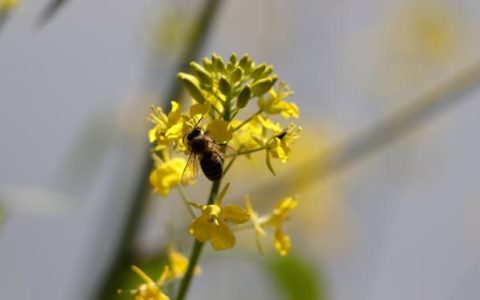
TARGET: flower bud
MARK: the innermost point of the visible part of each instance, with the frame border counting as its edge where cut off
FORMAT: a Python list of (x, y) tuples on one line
[(192, 85), (258, 70), (263, 85), (244, 97), (224, 86), (218, 64), (201, 73)]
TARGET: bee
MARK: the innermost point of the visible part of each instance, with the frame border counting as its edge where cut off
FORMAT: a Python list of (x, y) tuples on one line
[(207, 151)]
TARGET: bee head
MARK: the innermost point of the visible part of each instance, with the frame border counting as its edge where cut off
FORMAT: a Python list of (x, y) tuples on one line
[(194, 133)]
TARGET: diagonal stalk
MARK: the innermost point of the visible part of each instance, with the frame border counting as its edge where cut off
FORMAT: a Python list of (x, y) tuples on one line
[(383, 133)]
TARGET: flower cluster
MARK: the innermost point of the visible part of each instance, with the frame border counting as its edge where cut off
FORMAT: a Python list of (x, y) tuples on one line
[(235, 110), (221, 93)]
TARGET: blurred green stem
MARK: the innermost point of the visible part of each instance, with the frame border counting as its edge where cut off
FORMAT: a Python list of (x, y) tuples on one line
[(196, 250), (193, 46), (416, 113), (50, 10)]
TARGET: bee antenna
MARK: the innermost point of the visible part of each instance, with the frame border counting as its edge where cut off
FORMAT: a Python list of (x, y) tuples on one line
[(198, 122)]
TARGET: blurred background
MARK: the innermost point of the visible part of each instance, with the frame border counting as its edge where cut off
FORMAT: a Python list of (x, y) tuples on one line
[(396, 222)]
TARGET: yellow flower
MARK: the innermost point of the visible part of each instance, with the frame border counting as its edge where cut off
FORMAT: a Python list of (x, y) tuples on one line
[(255, 133), (212, 224), (199, 109), (280, 214), (150, 290), (167, 175), (220, 131), (275, 104), (168, 128), (279, 146), (8, 5), (178, 264)]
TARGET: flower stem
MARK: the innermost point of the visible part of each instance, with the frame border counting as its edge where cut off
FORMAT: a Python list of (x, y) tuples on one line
[(251, 151), (197, 249), (247, 120), (186, 201)]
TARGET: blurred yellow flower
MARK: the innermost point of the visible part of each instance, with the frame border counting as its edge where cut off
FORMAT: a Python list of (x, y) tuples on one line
[(8, 5), (150, 290), (423, 41), (167, 175), (178, 264), (167, 128), (274, 103), (212, 224), (280, 214)]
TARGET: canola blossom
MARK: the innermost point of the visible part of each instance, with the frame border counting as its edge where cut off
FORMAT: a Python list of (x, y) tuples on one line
[(213, 225), (150, 289), (275, 220), (221, 94)]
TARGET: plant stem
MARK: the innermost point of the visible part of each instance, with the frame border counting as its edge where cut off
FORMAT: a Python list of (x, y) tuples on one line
[(186, 201), (251, 151), (247, 120), (197, 249)]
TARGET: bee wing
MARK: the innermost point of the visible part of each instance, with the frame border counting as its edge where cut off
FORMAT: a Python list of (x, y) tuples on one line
[(227, 150), (190, 171)]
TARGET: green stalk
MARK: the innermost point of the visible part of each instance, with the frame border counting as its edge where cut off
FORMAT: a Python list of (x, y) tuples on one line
[(197, 249)]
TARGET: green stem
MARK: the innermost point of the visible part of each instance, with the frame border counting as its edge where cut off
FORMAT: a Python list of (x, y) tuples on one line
[(186, 201), (196, 250), (247, 120), (227, 109), (251, 151)]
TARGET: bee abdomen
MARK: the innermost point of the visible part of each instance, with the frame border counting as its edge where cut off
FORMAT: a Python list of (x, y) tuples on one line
[(212, 165)]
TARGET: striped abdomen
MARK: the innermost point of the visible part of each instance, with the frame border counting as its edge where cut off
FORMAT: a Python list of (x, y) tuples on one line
[(212, 165)]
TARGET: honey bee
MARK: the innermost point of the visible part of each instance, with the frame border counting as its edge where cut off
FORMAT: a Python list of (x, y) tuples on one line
[(207, 151)]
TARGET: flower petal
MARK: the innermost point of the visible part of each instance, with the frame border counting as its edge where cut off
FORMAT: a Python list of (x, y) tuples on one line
[(282, 242), (236, 214), (201, 229), (222, 237), (219, 131)]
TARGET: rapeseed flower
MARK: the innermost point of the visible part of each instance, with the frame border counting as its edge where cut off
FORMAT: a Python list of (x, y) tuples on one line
[(167, 175), (275, 104), (280, 214), (178, 264), (150, 290), (280, 146), (213, 226)]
